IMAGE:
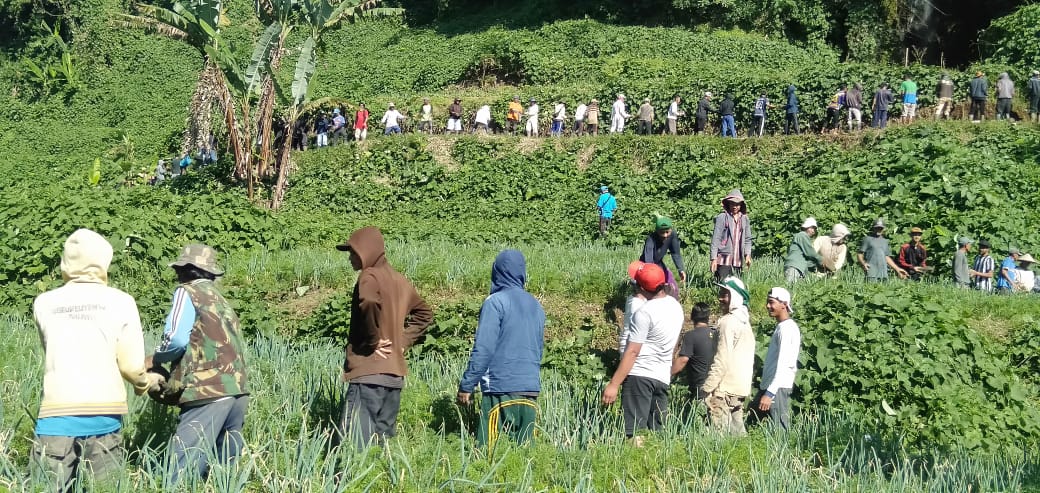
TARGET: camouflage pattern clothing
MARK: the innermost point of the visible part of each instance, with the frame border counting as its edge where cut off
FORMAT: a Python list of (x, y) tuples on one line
[(213, 364)]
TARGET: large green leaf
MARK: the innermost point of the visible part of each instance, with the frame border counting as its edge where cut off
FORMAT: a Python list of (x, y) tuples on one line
[(261, 54), (305, 65)]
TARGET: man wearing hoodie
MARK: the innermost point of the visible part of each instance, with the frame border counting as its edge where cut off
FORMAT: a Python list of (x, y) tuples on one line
[(387, 316), (726, 109), (507, 355), (208, 375), (701, 116), (1005, 91), (800, 254), (791, 107), (645, 370), (1034, 97), (978, 91), (854, 100), (729, 379), (92, 341), (883, 99), (730, 249)]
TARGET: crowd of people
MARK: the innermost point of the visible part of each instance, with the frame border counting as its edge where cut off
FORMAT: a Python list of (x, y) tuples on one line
[(92, 339), (846, 108)]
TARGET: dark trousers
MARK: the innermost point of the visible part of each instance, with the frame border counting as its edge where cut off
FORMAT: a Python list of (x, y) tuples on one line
[(978, 108), (779, 411), (791, 123), (604, 225), (832, 115), (210, 431), (645, 127), (759, 126), (699, 124), (724, 271), (644, 402), (1003, 108), (880, 119), (370, 413), (339, 135)]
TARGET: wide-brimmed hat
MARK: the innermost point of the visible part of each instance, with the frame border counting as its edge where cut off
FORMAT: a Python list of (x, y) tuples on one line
[(201, 256), (964, 240), (809, 222), (1026, 259), (839, 231), (916, 231), (879, 223)]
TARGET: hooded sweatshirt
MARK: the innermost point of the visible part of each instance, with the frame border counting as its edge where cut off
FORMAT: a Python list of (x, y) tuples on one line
[(725, 229), (384, 306), (507, 354), (792, 100), (854, 98), (1005, 88), (978, 88), (91, 335), (731, 370)]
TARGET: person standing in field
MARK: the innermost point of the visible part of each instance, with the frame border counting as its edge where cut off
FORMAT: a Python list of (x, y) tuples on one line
[(673, 115), (339, 124), (321, 128), (531, 127), (513, 114), (646, 358), (875, 255), (482, 120), (801, 256), (507, 355), (455, 117), (832, 249), (727, 108), (781, 362), (962, 275), (701, 116), (944, 93), (618, 115), (879, 108), (203, 343), (426, 117), (908, 88), (633, 303), (854, 100), (728, 383), (391, 120), (791, 108), (696, 351), (92, 341), (913, 257), (1006, 277), (660, 243), (387, 316), (592, 117), (1034, 96), (606, 204), (978, 91), (731, 238), (361, 123), (834, 107), (558, 119), (646, 118), (983, 267), (579, 118), (759, 115), (1005, 91)]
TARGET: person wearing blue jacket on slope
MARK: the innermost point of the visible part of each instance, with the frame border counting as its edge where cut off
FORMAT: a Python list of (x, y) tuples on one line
[(507, 355)]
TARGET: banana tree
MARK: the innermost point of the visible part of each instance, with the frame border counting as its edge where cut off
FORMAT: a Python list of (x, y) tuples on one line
[(196, 23)]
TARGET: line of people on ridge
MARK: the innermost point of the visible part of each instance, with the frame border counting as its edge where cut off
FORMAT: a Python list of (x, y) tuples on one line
[(586, 116), (809, 254)]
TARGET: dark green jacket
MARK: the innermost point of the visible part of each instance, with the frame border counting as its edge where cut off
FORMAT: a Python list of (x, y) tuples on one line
[(801, 253)]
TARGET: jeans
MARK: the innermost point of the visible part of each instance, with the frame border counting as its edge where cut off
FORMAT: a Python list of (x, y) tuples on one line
[(880, 119), (729, 126), (557, 128), (392, 130), (323, 139), (211, 430)]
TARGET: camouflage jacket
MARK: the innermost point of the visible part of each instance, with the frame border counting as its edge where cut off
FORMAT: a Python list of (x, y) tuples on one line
[(213, 364)]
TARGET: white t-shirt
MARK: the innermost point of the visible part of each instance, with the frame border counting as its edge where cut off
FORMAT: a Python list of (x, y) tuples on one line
[(579, 112), (391, 118), (633, 305), (656, 325), (483, 115), (427, 113), (559, 112), (532, 111), (673, 111)]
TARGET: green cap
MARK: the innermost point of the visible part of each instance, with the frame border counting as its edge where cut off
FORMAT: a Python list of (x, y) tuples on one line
[(201, 256), (662, 222)]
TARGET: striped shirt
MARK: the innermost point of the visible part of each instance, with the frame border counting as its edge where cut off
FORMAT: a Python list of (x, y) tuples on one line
[(983, 263)]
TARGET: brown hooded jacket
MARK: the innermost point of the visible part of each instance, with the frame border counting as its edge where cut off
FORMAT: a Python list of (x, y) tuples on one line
[(385, 305)]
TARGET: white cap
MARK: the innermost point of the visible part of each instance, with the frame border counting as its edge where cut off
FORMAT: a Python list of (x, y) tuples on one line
[(783, 296), (810, 222)]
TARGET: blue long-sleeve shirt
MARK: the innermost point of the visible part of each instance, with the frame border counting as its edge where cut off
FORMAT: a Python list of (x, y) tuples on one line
[(507, 354), (179, 323)]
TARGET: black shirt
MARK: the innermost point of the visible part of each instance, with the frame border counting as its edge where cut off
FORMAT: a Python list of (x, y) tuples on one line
[(698, 345)]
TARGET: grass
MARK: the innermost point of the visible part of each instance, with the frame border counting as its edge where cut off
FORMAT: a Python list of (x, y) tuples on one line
[(579, 444)]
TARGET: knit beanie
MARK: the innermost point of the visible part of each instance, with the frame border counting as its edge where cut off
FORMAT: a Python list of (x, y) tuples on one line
[(86, 257)]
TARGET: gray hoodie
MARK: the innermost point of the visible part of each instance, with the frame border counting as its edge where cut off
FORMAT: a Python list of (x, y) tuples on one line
[(1005, 88)]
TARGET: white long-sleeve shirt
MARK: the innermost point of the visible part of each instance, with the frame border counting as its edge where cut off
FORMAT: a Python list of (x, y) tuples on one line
[(781, 362), (619, 109), (579, 112), (673, 111), (391, 118), (483, 115)]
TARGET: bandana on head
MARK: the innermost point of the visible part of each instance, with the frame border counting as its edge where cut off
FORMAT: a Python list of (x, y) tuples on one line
[(738, 294)]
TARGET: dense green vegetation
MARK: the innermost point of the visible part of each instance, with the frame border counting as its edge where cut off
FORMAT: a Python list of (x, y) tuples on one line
[(904, 387)]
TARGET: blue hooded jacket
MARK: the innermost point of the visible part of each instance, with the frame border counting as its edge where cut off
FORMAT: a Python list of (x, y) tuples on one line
[(792, 100), (507, 354)]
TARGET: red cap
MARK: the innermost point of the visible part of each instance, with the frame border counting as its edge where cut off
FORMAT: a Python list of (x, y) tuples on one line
[(633, 268), (650, 277)]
